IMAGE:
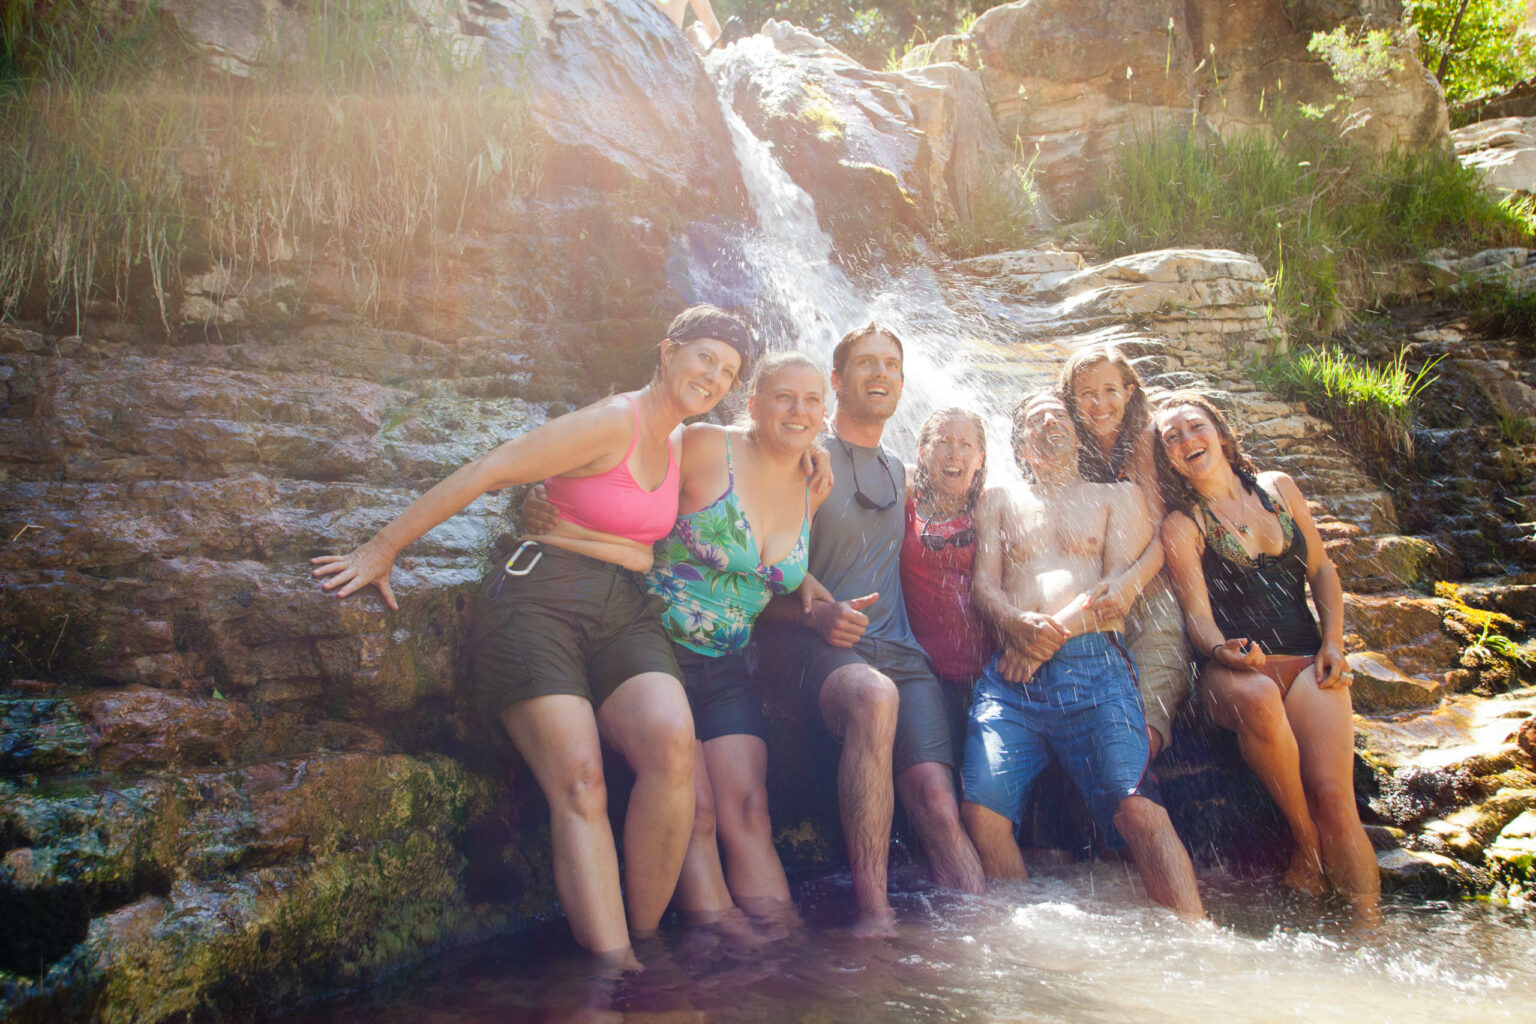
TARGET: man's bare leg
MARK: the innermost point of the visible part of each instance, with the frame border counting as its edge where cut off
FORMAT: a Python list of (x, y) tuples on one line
[(927, 791), (1164, 864), (996, 847), (860, 705), (557, 736), (647, 720)]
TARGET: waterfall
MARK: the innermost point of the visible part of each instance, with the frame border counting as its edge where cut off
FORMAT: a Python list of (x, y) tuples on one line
[(800, 297)]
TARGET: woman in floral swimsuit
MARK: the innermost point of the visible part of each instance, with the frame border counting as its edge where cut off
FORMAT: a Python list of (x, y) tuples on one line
[(743, 524)]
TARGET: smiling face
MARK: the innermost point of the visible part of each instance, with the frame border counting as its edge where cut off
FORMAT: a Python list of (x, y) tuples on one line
[(699, 373), (789, 406), (1044, 438), (869, 386), (1191, 441), (1101, 393), (950, 454)]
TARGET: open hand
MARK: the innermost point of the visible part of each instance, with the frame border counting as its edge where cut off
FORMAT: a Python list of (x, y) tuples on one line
[(369, 564)]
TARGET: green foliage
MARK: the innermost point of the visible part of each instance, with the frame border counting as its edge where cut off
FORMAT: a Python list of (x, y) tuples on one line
[(1371, 405), (870, 31), (1356, 57), (1474, 47), (122, 163), (1318, 213)]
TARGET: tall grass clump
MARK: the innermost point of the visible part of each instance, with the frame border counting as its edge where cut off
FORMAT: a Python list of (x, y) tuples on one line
[(1372, 406), (126, 162), (1319, 215)]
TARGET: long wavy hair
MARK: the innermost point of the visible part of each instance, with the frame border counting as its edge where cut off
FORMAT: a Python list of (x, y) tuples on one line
[(928, 433), (1097, 465), (1177, 490)]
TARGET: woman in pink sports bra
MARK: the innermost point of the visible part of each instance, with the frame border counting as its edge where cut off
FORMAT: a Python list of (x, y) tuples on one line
[(567, 648)]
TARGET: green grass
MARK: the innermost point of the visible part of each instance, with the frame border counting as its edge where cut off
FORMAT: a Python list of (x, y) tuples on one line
[(1318, 214), (1372, 406), (124, 163)]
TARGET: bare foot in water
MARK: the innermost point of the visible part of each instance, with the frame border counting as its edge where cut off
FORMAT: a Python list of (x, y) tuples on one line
[(1305, 872), (875, 924)]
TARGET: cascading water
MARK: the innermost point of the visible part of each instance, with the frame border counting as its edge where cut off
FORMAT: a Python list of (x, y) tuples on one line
[(798, 296)]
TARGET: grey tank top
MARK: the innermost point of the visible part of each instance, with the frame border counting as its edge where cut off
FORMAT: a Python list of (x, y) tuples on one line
[(857, 550)]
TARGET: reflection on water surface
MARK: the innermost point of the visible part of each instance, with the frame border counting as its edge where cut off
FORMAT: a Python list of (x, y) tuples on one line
[(1072, 945)]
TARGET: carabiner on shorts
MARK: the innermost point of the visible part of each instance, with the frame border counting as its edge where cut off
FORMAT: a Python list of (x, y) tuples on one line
[(493, 590)]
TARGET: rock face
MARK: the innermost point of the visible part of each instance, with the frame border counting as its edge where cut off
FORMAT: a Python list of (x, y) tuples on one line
[(901, 151), (1077, 80), (1502, 149)]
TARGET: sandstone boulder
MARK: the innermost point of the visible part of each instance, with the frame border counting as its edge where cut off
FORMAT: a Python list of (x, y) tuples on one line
[(1503, 150)]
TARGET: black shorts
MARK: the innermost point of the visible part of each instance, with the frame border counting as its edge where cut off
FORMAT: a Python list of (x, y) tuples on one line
[(724, 699), (572, 624), (922, 722)]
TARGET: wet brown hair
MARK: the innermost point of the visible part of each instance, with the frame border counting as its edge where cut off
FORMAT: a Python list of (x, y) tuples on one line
[(1095, 464), (1016, 437), (858, 334), (1177, 490), (928, 433)]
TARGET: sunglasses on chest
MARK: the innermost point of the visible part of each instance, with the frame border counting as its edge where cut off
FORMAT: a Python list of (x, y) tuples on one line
[(864, 500)]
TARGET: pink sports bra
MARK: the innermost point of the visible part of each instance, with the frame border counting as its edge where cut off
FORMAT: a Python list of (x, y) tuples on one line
[(613, 502)]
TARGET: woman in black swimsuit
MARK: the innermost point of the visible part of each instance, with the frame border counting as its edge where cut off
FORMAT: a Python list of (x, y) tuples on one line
[(1242, 551)]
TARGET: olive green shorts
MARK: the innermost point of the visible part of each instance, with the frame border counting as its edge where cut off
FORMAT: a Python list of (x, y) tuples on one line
[(572, 624)]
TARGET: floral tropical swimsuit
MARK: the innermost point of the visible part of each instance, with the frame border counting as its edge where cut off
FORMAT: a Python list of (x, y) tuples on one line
[(710, 572)]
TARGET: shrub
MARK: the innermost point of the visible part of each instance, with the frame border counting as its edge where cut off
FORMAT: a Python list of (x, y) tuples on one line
[(1372, 406), (1316, 212)]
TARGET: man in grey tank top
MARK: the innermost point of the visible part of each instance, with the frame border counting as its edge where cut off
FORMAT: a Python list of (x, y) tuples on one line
[(871, 681)]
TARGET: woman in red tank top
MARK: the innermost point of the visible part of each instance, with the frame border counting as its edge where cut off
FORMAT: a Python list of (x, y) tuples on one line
[(937, 551), (567, 649)]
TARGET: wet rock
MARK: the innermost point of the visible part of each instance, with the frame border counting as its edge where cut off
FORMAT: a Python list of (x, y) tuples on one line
[(1425, 873), (40, 734), (1381, 563), (1525, 737), (839, 129), (1512, 855), (619, 101), (1380, 687), (1404, 627)]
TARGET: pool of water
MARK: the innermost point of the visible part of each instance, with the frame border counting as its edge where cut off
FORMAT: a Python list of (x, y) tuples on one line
[(1074, 944)]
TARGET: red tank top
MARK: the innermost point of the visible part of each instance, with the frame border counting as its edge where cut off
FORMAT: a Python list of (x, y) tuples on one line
[(613, 502), (936, 586)]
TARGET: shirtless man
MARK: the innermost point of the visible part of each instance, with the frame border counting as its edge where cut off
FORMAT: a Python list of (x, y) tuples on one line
[(1064, 683)]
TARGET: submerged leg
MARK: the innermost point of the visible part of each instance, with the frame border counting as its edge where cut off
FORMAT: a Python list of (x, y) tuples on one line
[(557, 736)]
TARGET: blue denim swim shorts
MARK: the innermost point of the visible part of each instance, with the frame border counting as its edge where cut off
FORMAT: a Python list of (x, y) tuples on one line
[(1082, 707)]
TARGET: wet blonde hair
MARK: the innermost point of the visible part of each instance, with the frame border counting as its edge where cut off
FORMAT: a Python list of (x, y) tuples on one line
[(928, 433), (1095, 464), (770, 366)]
